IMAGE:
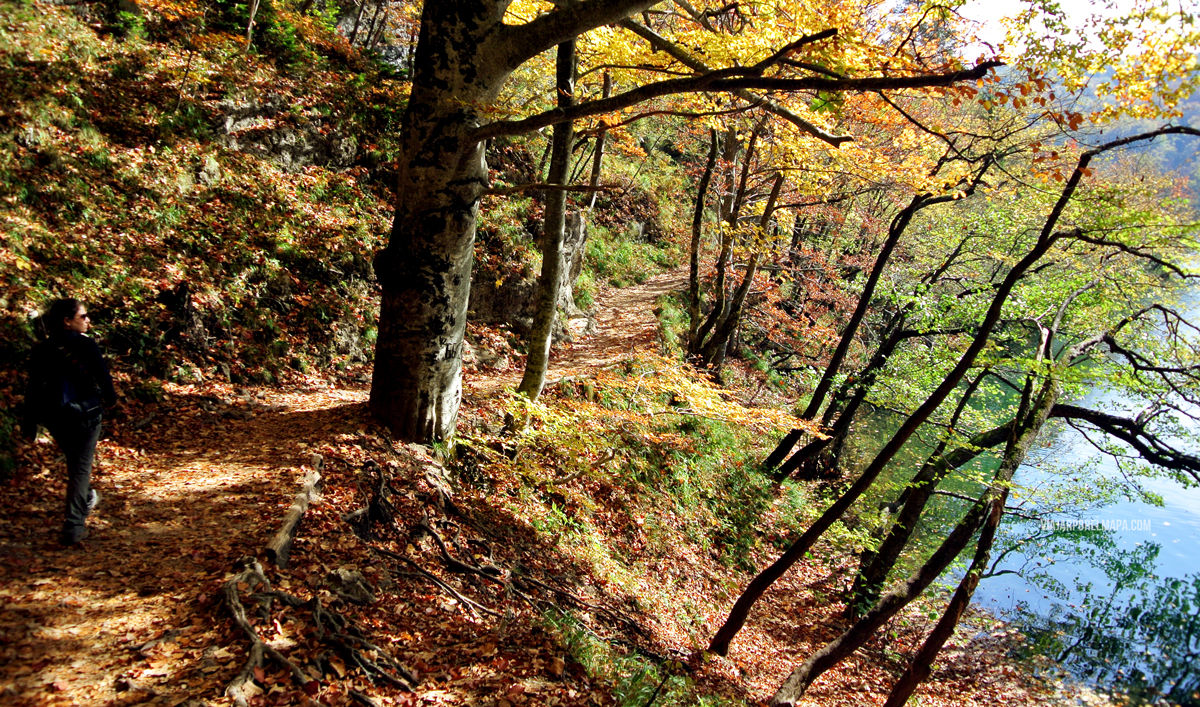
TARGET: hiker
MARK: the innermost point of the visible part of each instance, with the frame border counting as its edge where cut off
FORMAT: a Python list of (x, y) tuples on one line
[(68, 386)]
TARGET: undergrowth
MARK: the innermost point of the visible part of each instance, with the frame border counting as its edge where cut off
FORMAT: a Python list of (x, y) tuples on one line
[(121, 186), (638, 473), (633, 679)]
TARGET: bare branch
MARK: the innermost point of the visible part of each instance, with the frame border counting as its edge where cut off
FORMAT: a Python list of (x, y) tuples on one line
[(1151, 447), (687, 59), (544, 186)]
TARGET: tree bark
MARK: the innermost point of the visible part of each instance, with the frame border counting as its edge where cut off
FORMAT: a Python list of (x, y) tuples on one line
[(697, 232), (598, 155), (552, 232), (425, 270)]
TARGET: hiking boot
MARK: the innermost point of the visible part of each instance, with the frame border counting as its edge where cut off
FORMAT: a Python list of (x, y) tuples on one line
[(93, 500), (72, 537)]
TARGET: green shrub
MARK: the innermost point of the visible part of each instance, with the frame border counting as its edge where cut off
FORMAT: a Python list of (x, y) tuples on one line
[(130, 25)]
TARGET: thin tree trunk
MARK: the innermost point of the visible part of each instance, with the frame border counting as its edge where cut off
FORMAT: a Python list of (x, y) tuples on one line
[(412, 46), (898, 226), (892, 602), (598, 156), (374, 20), (580, 164), (697, 231), (362, 7), (1030, 423), (1046, 239), (841, 426), (387, 11), (873, 575), (713, 350), (720, 297), (860, 594), (922, 664), (250, 25), (552, 232), (545, 158)]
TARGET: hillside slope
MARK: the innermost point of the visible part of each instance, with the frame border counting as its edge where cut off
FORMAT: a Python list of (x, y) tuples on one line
[(218, 209)]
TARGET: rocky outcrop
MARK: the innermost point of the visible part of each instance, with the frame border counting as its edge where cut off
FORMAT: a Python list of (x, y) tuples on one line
[(268, 128), (513, 300)]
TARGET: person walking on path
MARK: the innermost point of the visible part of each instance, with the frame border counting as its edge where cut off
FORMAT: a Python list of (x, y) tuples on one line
[(69, 386)]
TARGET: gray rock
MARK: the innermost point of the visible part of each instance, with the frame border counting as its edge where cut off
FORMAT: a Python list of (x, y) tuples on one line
[(210, 173), (351, 586)]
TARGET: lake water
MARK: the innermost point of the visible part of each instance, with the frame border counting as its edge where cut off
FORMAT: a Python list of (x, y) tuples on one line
[(1174, 526), (1106, 604)]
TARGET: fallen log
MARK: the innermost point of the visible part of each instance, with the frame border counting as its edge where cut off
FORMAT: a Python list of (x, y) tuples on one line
[(281, 545)]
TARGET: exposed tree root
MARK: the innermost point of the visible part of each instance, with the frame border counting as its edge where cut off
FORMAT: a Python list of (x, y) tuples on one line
[(252, 575), (332, 629), (370, 524), (281, 545)]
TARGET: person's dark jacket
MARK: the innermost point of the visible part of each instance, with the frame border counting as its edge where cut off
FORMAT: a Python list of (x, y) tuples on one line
[(67, 367)]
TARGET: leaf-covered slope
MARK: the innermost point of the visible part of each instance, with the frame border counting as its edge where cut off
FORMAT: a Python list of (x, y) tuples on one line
[(152, 166)]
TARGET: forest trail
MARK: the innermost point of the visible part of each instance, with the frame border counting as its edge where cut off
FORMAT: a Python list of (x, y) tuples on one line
[(134, 615), (625, 321), (127, 617)]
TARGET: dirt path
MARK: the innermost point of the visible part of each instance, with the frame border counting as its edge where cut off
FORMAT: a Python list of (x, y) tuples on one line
[(180, 501), (133, 616), (203, 483), (624, 321)]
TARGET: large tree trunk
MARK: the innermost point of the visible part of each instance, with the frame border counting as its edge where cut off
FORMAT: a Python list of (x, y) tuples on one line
[(425, 271), (553, 224), (464, 54)]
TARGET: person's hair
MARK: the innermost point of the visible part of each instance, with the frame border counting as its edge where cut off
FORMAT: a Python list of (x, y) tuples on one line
[(59, 310)]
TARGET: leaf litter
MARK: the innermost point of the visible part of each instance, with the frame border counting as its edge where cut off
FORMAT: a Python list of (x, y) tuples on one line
[(462, 588)]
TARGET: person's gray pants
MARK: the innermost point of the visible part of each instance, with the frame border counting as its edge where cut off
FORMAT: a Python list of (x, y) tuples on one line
[(79, 446)]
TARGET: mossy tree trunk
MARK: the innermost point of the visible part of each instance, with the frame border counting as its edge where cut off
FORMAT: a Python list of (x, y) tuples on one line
[(464, 55)]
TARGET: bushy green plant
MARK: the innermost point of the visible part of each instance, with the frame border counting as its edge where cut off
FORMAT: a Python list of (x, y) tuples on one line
[(672, 324), (131, 25), (633, 680)]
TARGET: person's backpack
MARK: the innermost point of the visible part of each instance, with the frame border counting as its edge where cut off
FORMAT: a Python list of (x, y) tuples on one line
[(70, 395)]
